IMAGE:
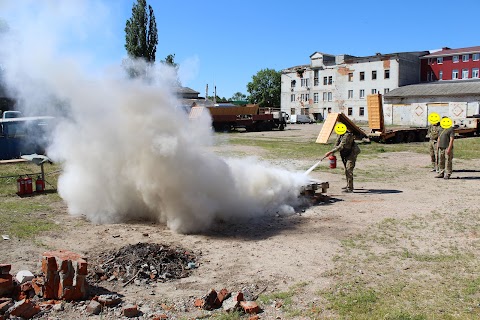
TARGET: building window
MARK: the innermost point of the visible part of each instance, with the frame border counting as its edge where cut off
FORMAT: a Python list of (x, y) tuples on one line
[(374, 75), (386, 90), (349, 111), (315, 78), (454, 74), (464, 73), (362, 76), (476, 56), (307, 97), (293, 83), (440, 75), (315, 97), (292, 98), (387, 74), (325, 81), (350, 77), (302, 97), (324, 96), (362, 111), (455, 59), (304, 82), (475, 73), (362, 93), (292, 110), (374, 91), (465, 57), (350, 94), (429, 60), (329, 96), (330, 79), (440, 60)]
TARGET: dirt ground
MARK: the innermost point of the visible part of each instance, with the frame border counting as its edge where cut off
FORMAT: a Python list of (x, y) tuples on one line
[(272, 253)]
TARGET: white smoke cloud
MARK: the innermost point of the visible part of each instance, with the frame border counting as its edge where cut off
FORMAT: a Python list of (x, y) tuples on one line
[(129, 153)]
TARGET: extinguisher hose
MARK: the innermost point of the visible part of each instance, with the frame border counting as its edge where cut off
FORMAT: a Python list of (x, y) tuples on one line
[(313, 167)]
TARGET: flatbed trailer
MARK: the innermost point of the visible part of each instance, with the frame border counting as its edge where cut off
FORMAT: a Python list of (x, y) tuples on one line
[(379, 133)]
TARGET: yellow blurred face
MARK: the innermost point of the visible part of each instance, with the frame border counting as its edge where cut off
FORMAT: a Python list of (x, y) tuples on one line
[(340, 128), (434, 118), (446, 123)]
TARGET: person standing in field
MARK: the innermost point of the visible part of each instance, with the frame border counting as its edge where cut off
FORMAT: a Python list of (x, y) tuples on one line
[(349, 151), (445, 152), (432, 134)]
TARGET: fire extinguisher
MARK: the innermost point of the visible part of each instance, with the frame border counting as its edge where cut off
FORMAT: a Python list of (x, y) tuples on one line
[(333, 161), (28, 185), (20, 186), (39, 185)]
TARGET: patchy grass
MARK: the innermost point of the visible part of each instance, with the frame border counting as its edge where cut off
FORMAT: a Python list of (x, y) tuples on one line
[(290, 148), (418, 271), (286, 299), (25, 217)]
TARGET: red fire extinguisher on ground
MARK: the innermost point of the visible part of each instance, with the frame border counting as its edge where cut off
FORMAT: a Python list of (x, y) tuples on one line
[(20, 186), (28, 185), (333, 161), (39, 184)]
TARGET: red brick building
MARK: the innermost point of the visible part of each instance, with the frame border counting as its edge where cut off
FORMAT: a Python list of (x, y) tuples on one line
[(450, 64)]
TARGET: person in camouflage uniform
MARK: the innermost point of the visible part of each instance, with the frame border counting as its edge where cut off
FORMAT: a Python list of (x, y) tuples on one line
[(349, 151), (432, 133), (445, 153)]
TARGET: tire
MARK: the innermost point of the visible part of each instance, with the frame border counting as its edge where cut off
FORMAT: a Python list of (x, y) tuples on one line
[(399, 137)]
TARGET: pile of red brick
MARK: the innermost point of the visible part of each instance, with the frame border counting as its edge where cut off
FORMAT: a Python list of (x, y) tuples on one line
[(230, 302), (64, 278)]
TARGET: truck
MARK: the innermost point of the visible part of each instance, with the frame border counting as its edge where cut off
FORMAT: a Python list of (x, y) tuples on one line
[(468, 126), (23, 135), (249, 117)]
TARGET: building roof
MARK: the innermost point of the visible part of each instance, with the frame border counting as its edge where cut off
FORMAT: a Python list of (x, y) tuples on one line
[(449, 52), (183, 90), (437, 88)]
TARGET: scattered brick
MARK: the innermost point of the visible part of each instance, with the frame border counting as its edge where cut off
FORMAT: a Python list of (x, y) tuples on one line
[(250, 306), (238, 296), (255, 317), (130, 311), (5, 268), (25, 309), (222, 295), (5, 304), (6, 285)]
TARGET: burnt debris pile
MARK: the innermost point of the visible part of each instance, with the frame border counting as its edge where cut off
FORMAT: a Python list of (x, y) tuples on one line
[(143, 262)]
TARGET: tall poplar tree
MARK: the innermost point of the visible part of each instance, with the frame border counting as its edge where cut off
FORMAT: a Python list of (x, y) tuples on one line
[(141, 37)]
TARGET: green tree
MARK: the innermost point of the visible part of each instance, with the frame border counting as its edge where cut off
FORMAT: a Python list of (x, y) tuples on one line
[(238, 96), (170, 61), (265, 88), (141, 37)]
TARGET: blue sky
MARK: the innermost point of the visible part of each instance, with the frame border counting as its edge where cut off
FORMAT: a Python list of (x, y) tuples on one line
[(225, 43)]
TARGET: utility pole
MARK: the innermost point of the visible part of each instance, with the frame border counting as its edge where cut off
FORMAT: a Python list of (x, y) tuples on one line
[(215, 96)]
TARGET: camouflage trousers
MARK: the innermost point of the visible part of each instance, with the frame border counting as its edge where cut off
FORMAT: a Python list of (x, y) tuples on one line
[(445, 161), (433, 153), (349, 164)]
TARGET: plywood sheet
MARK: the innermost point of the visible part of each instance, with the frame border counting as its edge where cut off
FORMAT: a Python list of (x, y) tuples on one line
[(375, 112), (327, 128)]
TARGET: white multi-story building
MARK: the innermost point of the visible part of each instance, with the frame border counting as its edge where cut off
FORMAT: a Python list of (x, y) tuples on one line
[(341, 83)]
